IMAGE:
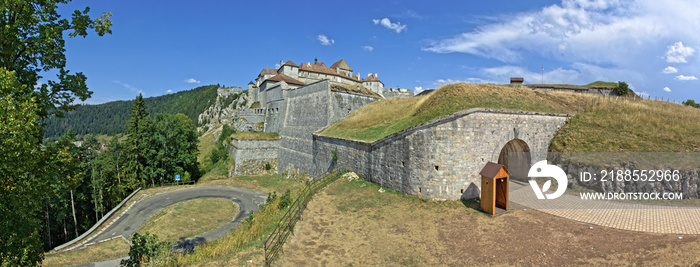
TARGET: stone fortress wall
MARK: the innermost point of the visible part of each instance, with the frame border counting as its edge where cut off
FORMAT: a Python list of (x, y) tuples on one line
[(305, 111), (440, 159)]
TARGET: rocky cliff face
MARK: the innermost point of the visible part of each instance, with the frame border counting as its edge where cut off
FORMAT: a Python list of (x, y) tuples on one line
[(224, 110)]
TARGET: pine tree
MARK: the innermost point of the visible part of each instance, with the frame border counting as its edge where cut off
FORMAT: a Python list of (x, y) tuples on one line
[(135, 154)]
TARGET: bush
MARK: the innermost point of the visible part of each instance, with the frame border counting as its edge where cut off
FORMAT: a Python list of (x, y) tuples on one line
[(691, 103), (285, 200), (622, 88), (142, 249), (268, 166)]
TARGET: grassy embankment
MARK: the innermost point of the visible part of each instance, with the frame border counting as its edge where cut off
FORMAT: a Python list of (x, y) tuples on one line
[(351, 223), (244, 244), (182, 220), (596, 84), (601, 124), (190, 218), (112, 249), (388, 116)]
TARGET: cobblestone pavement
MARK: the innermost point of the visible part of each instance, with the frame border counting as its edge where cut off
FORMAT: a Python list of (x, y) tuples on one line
[(626, 216)]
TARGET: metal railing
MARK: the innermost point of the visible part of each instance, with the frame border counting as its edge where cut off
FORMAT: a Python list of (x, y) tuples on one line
[(274, 243)]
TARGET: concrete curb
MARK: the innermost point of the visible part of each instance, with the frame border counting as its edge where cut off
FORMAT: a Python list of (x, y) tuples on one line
[(88, 232)]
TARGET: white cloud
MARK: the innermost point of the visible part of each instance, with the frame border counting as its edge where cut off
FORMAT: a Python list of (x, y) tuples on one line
[(686, 78), (169, 91), (677, 53), (130, 87), (440, 82), (642, 94), (325, 40), (667, 89), (602, 31), (191, 80), (368, 48), (669, 70), (418, 89), (397, 27)]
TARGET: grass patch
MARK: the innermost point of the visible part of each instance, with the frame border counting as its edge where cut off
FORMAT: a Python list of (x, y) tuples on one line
[(596, 84), (264, 183), (190, 218), (602, 84), (255, 136), (244, 243), (354, 89), (384, 117), (217, 170), (601, 124), (446, 233), (626, 125), (207, 143), (112, 249)]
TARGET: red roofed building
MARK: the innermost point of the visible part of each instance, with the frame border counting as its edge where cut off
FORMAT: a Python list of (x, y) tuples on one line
[(289, 75)]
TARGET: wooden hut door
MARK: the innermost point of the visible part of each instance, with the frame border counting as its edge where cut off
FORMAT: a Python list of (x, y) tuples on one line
[(501, 193)]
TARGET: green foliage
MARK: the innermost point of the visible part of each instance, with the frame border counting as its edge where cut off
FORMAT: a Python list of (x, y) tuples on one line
[(221, 151), (285, 200), (156, 151), (32, 42), (255, 104), (109, 118), (226, 133), (691, 103), (229, 99), (20, 185), (268, 166), (142, 249), (622, 88), (335, 154)]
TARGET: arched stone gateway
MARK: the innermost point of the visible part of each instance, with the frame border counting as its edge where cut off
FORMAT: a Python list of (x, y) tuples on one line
[(515, 155)]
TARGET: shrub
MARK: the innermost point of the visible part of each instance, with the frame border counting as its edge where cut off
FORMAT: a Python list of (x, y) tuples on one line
[(142, 249), (691, 103), (622, 88), (268, 166), (285, 200)]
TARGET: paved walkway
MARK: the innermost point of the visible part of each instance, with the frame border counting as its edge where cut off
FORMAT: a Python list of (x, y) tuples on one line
[(626, 216)]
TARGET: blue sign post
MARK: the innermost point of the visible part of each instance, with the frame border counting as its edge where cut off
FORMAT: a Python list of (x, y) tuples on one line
[(177, 178)]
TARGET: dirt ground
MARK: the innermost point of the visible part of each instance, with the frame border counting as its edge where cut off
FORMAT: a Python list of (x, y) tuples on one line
[(353, 224)]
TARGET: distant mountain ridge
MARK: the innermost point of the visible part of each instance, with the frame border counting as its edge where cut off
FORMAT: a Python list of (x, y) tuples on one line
[(109, 118)]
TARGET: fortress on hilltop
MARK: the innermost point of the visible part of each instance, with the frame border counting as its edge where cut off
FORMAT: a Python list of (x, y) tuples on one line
[(292, 76)]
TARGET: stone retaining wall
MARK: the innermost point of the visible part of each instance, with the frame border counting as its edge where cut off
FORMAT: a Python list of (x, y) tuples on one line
[(251, 156)]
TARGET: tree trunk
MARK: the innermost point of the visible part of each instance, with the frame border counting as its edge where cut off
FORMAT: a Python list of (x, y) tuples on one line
[(75, 220), (65, 231), (48, 225)]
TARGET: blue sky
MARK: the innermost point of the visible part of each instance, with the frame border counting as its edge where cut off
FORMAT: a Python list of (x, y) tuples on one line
[(159, 47)]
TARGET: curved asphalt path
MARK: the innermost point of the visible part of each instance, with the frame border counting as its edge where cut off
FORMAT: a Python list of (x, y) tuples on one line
[(248, 201)]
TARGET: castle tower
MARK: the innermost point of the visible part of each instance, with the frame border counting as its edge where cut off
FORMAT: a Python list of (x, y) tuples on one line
[(290, 69)]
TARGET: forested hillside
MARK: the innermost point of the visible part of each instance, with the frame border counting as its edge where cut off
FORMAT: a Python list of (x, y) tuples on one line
[(109, 118)]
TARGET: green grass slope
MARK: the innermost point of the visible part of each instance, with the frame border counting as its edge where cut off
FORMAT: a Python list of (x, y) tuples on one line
[(601, 124), (388, 116)]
